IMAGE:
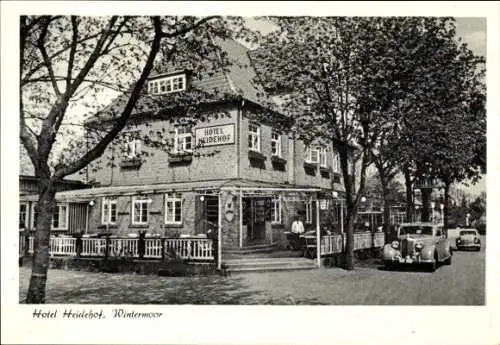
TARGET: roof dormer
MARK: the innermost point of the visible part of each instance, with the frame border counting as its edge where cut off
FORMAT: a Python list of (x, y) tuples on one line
[(168, 83)]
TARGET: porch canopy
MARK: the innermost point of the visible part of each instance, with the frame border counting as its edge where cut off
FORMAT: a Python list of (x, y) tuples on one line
[(246, 188)]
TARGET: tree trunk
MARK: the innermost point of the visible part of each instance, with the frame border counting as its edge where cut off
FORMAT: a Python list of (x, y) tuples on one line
[(349, 245), (446, 209), (45, 207), (409, 195), (426, 198), (387, 213)]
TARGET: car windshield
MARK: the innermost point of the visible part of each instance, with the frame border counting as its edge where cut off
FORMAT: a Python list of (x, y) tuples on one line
[(415, 230), (467, 232)]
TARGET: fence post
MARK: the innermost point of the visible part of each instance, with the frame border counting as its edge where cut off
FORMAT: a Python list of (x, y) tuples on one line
[(141, 244), (78, 244), (106, 246), (163, 241)]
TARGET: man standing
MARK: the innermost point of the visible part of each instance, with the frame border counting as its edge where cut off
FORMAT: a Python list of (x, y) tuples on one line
[(297, 226)]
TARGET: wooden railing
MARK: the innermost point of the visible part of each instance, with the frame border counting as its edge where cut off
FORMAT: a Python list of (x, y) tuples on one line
[(154, 248), (334, 244), (195, 249), (124, 247), (62, 246), (93, 247)]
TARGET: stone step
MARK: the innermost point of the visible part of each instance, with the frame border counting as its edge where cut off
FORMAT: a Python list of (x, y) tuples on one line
[(269, 269), (269, 264), (260, 248)]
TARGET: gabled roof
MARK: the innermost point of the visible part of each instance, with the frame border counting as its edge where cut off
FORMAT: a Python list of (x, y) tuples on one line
[(236, 80)]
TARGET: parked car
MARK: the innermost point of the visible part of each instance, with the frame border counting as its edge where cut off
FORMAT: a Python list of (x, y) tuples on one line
[(418, 244), (468, 239)]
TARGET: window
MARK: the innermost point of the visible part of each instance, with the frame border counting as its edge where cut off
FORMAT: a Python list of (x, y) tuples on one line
[(183, 140), (254, 137), (322, 157), (308, 211), (336, 162), (312, 155), (133, 149), (34, 215), (173, 208), (108, 215), (276, 144), (167, 85), (276, 211), (23, 213), (140, 210), (60, 217)]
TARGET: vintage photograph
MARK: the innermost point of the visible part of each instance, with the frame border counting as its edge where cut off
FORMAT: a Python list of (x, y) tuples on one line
[(272, 160)]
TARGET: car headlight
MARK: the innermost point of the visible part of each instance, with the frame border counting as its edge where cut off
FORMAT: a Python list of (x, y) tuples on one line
[(395, 244), (459, 240), (419, 246), (476, 240)]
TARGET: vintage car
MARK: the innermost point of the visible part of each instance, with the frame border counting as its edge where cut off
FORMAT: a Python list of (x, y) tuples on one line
[(468, 239), (419, 243)]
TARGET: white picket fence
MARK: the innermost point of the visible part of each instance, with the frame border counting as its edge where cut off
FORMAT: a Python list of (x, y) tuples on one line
[(185, 248), (153, 248), (332, 244), (63, 246), (196, 249), (93, 246)]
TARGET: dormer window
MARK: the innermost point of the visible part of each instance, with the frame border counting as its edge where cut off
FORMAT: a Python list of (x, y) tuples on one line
[(171, 84)]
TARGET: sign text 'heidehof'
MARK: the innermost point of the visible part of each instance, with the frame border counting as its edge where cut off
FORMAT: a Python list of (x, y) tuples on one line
[(215, 135)]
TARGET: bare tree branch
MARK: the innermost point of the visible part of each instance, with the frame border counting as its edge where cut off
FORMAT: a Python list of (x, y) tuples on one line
[(46, 59), (120, 123), (74, 40)]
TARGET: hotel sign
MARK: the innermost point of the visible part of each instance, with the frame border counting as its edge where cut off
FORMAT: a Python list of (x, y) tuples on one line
[(215, 135)]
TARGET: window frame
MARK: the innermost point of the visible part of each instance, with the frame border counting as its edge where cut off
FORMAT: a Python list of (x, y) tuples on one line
[(173, 198), (322, 156), (278, 144), (170, 83), (251, 135), (66, 218), (276, 211), (142, 200), (109, 201), (182, 136), (309, 150), (133, 149), (26, 215)]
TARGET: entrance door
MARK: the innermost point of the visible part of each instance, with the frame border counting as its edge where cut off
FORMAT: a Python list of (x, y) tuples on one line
[(256, 226), (206, 213), (212, 211)]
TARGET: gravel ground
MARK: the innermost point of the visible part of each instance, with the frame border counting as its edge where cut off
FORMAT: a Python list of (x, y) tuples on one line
[(462, 283)]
